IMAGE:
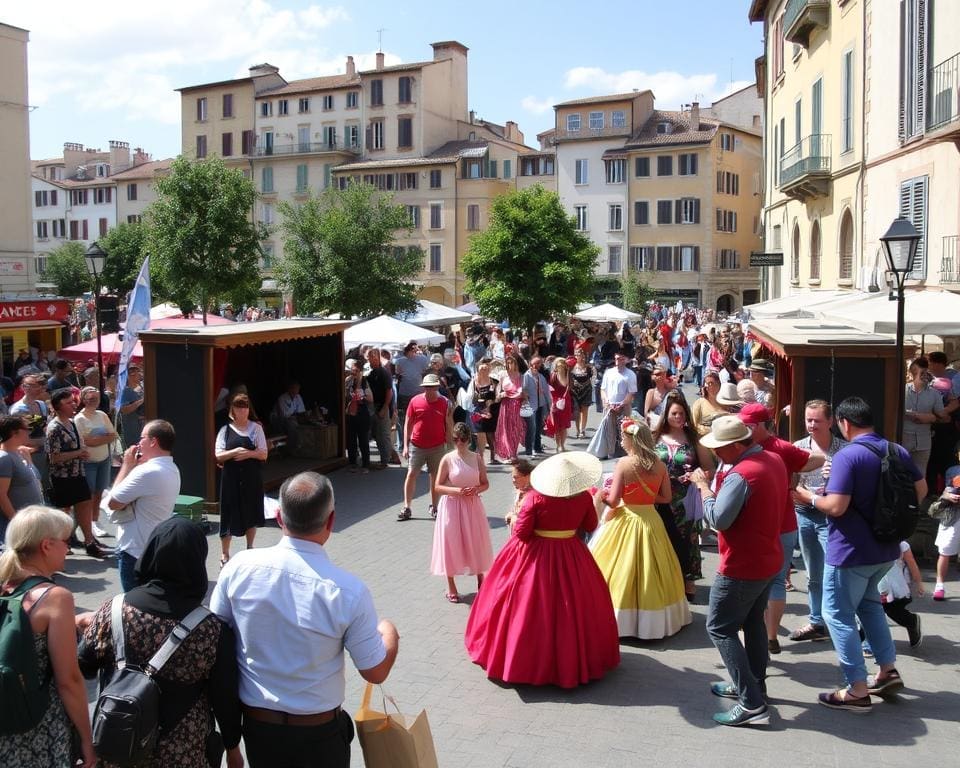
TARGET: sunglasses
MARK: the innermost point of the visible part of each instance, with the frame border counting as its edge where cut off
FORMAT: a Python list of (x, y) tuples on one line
[(241, 404), (461, 439)]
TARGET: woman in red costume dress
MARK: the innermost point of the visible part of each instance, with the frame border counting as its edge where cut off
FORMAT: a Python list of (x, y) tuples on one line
[(544, 614)]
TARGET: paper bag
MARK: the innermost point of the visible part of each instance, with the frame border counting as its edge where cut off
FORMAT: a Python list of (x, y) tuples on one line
[(393, 740)]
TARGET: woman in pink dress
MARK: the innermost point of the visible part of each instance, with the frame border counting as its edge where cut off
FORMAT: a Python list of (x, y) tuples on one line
[(511, 429), (461, 535), (544, 615)]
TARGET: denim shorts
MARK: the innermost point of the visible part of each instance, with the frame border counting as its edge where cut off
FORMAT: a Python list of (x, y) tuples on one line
[(98, 475)]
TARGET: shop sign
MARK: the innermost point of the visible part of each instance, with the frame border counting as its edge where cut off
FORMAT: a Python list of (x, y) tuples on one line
[(35, 309)]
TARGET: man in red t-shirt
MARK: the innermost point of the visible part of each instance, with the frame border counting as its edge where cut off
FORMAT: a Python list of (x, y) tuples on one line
[(427, 428), (795, 460)]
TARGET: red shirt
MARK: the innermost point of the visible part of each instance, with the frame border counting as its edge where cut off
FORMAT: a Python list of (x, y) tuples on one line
[(428, 421), (794, 459)]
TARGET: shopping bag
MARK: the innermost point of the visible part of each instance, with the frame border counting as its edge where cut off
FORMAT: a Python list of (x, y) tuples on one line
[(393, 740)]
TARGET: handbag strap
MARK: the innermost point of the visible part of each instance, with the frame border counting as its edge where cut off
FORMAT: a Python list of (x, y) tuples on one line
[(177, 635), (116, 630)]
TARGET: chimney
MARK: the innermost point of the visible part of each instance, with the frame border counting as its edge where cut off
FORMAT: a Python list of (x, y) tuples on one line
[(351, 67), (119, 156), (379, 60), (473, 116), (140, 157), (695, 116)]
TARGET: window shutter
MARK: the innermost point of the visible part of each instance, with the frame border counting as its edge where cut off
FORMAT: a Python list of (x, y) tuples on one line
[(920, 72), (53, 197), (696, 210), (678, 211), (693, 164), (369, 137), (36, 199), (676, 259), (696, 258), (506, 169)]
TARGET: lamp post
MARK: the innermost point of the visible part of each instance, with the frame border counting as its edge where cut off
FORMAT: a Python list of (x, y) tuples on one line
[(900, 248), (96, 258)]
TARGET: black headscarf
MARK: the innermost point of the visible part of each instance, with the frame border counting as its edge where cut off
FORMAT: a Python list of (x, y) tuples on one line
[(172, 571)]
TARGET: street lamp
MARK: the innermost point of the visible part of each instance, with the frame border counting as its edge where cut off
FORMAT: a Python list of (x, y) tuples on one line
[(96, 259), (900, 248)]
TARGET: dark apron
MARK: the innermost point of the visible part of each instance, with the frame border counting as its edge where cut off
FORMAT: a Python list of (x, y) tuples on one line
[(241, 489)]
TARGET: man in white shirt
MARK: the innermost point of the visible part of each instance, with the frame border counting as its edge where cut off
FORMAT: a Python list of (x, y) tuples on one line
[(294, 613), (284, 415), (148, 483), (617, 388)]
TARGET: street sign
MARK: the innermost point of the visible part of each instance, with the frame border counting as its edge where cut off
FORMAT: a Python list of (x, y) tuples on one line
[(759, 259)]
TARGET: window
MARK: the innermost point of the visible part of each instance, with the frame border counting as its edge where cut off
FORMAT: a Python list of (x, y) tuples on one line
[(103, 227), (529, 166), (352, 99), (327, 102), (846, 107), (795, 256), (580, 172), (327, 174), (303, 104), (41, 264), (616, 171), (84, 231), (913, 61), (436, 178), (42, 230), (376, 93), (665, 165), (40, 198), (618, 119), (642, 258), (473, 217), (60, 228), (101, 169), (375, 135), (352, 136), (266, 108), (641, 213), (687, 164), (131, 191), (581, 213), (472, 169), (266, 213), (846, 246), (413, 214), (404, 132), (266, 179), (302, 183), (408, 180), (726, 221), (201, 110), (815, 251), (727, 258), (404, 89), (283, 107), (596, 121), (547, 166), (53, 197), (778, 47), (436, 215), (78, 197), (266, 259), (573, 123), (227, 141), (665, 258), (664, 211), (688, 258), (201, 146), (507, 169), (727, 141), (664, 127), (728, 183), (228, 105), (134, 218), (247, 142), (688, 210), (615, 218), (102, 195), (436, 260), (491, 169), (614, 254), (74, 230), (329, 136), (777, 238), (913, 208), (797, 121), (641, 167)]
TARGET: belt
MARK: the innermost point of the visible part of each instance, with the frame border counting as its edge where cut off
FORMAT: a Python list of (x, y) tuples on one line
[(555, 534), (276, 717)]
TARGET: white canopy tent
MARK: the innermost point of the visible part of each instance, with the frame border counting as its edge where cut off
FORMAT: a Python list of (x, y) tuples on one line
[(929, 312), (606, 312), (796, 305), (386, 331), (431, 313)]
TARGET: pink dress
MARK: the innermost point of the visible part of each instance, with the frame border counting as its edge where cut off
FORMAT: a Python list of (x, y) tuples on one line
[(511, 429), (461, 535)]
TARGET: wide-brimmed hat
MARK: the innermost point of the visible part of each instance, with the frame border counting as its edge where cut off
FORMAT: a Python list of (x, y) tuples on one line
[(754, 413), (566, 474), (725, 430), (728, 394), (430, 380), (759, 364)]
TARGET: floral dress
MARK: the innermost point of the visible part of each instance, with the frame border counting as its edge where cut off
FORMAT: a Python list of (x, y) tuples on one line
[(681, 459)]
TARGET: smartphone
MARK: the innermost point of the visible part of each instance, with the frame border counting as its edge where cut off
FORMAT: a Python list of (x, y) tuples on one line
[(137, 454)]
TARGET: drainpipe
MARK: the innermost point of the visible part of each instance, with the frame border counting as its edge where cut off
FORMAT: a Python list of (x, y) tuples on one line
[(861, 175)]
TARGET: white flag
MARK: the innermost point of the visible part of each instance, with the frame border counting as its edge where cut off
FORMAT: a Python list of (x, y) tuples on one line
[(138, 319)]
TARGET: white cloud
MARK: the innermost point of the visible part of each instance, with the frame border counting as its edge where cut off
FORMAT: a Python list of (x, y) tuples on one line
[(537, 106), (671, 89)]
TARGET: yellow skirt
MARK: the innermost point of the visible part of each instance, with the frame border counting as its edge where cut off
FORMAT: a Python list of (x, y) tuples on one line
[(640, 567)]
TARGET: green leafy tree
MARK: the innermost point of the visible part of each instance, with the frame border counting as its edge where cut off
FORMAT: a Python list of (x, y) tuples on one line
[(531, 261), (67, 270), (338, 253), (205, 247), (635, 292), (126, 247)]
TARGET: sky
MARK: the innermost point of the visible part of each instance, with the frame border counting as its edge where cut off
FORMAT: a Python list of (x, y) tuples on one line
[(107, 69)]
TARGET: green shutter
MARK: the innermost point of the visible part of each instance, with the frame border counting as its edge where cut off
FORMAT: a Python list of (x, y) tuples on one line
[(326, 175), (506, 169)]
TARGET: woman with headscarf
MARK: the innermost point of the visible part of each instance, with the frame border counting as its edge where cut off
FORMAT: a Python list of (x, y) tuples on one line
[(544, 615), (201, 676)]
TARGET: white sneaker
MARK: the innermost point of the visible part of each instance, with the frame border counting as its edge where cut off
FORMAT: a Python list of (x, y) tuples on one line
[(98, 531)]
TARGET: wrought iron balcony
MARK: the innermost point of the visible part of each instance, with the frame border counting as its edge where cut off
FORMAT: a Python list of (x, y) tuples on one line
[(949, 264), (805, 167), (802, 17), (306, 148), (943, 105)]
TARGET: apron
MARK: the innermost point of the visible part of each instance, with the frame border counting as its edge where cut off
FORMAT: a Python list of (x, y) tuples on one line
[(241, 489)]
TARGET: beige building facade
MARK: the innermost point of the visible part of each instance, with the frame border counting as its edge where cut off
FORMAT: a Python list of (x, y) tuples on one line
[(135, 189)]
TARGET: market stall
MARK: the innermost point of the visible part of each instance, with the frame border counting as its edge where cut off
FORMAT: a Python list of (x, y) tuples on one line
[(39, 323), (607, 312), (386, 331)]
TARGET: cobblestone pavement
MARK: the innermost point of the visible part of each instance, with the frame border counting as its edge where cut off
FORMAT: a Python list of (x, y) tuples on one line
[(655, 708)]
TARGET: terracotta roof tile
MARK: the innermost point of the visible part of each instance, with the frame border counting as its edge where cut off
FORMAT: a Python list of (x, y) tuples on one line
[(144, 170), (683, 132), (399, 67), (312, 84), (450, 152), (601, 99)]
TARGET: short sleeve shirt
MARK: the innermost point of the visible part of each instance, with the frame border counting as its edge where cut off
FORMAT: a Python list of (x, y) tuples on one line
[(152, 488), (918, 437), (24, 488), (616, 386), (428, 421), (64, 439), (409, 372)]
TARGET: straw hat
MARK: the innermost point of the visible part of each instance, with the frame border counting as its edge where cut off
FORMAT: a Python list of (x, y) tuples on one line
[(759, 364), (725, 430), (728, 394), (566, 474), (430, 380)]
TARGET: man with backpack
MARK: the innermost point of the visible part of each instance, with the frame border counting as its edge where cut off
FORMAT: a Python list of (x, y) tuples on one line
[(870, 501)]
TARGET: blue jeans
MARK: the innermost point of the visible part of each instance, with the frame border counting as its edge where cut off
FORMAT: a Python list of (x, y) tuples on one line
[(737, 604), (812, 530), (125, 564), (849, 594), (778, 589), (533, 440)]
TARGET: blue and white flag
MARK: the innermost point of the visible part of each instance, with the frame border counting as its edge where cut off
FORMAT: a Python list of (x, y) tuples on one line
[(138, 319)]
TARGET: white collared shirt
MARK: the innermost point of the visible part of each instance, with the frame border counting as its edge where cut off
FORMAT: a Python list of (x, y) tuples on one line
[(152, 488), (294, 612), (616, 385)]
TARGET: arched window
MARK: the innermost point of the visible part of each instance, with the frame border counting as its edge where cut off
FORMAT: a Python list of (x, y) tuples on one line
[(846, 246), (795, 255), (725, 303), (815, 251)]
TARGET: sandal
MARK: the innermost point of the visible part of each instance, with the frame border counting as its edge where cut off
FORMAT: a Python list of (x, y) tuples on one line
[(452, 597), (224, 559), (885, 684), (405, 514), (433, 511), (843, 700)]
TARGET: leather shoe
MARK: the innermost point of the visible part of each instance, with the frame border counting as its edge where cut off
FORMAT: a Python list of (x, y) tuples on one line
[(96, 549)]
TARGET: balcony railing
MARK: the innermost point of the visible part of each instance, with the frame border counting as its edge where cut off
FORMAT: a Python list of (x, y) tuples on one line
[(944, 90), (802, 17), (591, 133), (949, 264), (805, 167), (306, 147)]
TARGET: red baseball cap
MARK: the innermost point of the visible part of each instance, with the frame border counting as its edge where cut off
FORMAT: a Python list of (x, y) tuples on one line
[(754, 413)]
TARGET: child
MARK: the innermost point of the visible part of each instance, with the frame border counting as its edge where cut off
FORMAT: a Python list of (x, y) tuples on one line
[(895, 593), (947, 510)]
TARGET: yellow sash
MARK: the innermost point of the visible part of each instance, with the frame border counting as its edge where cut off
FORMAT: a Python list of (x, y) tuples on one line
[(555, 534)]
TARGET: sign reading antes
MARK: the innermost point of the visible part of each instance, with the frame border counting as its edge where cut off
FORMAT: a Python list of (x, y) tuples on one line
[(758, 259), (35, 309)]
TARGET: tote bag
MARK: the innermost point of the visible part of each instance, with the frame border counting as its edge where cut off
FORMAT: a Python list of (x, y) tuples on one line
[(393, 740)]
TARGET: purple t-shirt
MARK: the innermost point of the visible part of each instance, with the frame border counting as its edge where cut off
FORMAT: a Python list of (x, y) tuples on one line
[(855, 472)]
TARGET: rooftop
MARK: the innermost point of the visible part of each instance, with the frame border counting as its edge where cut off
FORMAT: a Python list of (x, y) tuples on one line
[(450, 152), (144, 170), (312, 84), (237, 81), (603, 99), (400, 67), (683, 132)]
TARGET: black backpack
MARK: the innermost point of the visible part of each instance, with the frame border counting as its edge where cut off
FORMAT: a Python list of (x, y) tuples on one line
[(897, 509), (24, 697), (126, 720)]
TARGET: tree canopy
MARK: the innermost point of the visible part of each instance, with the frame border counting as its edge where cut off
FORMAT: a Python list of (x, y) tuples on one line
[(126, 247), (635, 292), (338, 253), (67, 269), (531, 261), (205, 247)]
